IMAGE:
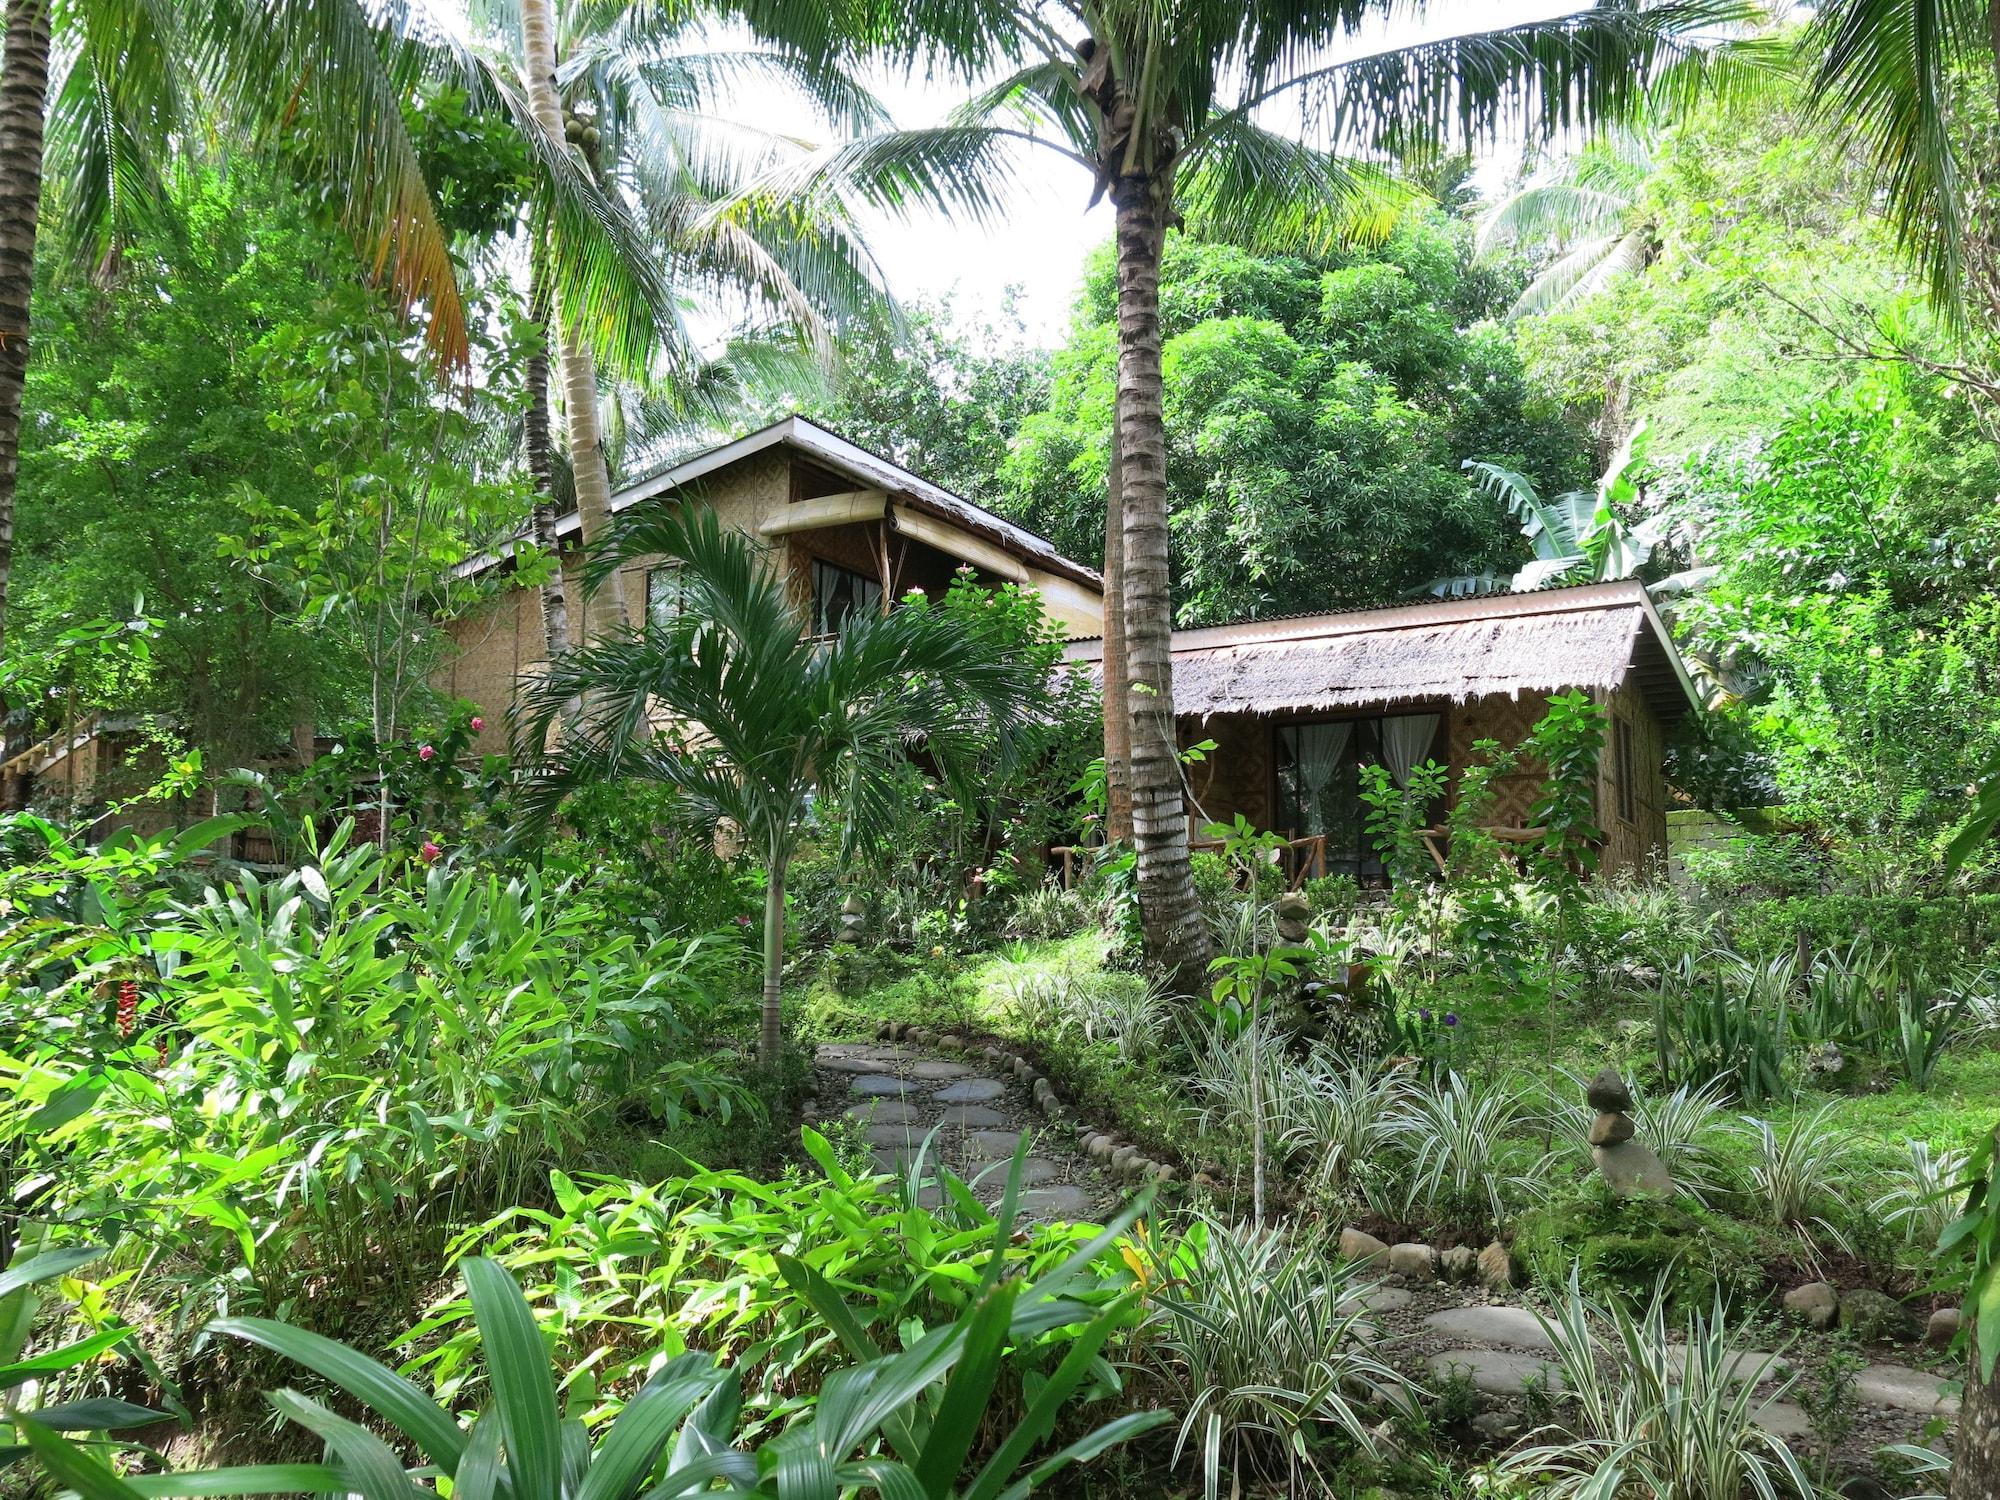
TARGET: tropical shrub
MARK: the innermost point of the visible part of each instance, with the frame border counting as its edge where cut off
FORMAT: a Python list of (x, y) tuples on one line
[(1666, 1414), (622, 1275), (1264, 1339), (926, 1406), (306, 1075)]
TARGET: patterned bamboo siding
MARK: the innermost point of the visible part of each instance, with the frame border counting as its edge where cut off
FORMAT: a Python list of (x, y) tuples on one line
[(1640, 840)]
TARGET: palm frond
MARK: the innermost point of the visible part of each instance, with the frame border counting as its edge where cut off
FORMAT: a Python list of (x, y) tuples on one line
[(1884, 71), (1582, 272), (327, 79), (1267, 192)]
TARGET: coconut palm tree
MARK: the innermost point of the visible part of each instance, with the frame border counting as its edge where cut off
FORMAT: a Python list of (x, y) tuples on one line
[(626, 100), (1588, 211), (736, 707), (1163, 102)]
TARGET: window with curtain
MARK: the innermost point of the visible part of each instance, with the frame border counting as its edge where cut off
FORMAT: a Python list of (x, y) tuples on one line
[(839, 592), (1317, 771)]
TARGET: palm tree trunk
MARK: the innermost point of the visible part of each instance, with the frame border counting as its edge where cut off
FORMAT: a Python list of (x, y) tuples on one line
[(770, 1034), (24, 88), (1117, 717), (1975, 1459), (1176, 939), (573, 357), (541, 470)]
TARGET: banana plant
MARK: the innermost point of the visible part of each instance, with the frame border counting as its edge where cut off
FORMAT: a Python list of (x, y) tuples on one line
[(676, 1436), (24, 1375), (1575, 531)]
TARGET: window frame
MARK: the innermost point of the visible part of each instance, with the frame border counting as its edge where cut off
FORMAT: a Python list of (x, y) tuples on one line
[(869, 594), (1624, 760)]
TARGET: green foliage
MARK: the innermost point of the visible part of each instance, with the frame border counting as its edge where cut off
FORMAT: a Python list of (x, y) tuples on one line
[(309, 1064), (1263, 1337), (1670, 1415), (1627, 1248), (678, 1433), (1317, 412), (1937, 932), (1720, 1018), (622, 1274), (43, 1388), (246, 442)]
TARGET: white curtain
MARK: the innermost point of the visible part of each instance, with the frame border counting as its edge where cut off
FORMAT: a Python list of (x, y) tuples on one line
[(1317, 749), (1404, 741)]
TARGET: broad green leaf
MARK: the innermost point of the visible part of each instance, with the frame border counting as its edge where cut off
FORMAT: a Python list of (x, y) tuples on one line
[(249, 1479), (517, 1367), (388, 1395), (370, 1465), (71, 1467)]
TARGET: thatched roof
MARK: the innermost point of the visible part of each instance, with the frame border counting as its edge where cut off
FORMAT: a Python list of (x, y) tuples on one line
[(1591, 637)]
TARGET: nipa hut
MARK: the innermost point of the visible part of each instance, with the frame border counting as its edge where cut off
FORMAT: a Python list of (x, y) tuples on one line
[(1297, 706)]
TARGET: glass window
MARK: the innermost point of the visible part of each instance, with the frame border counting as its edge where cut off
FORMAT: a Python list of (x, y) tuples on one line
[(1317, 769), (838, 592), (664, 597)]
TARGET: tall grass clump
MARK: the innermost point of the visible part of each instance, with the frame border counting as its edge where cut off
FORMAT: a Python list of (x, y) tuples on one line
[(1648, 1412), (1265, 1345)]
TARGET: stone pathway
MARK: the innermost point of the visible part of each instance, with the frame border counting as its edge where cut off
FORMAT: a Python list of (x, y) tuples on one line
[(915, 1107), (1504, 1350)]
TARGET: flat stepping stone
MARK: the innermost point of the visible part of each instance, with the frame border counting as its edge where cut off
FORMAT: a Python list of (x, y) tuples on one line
[(1497, 1372), (830, 1053), (1492, 1325), (975, 1117), (970, 1091), (859, 1064), (1386, 1299), (1067, 1203), (897, 1159), (881, 1085), (1741, 1365), (932, 1069), (882, 1112), (993, 1174), (899, 1133), (994, 1143), (1904, 1389), (1785, 1419)]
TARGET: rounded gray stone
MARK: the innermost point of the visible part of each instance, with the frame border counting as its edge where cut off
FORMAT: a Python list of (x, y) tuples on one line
[(881, 1086), (971, 1091), (1904, 1389), (881, 1112), (1034, 1171), (861, 1064), (993, 1142), (931, 1069), (1631, 1170), (1065, 1201), (1498, 1372), (1492, 1325), (906, 1134), (975, 1117)]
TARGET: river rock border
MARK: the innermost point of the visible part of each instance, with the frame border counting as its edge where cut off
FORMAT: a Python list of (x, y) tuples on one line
[(1120, 1157)]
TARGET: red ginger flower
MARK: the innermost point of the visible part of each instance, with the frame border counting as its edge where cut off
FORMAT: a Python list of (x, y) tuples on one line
[(128, 1007)]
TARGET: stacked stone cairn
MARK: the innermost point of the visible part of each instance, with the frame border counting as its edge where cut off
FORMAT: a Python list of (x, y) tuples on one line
[(854, 918), (1627, 1165), (1293, 912)]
